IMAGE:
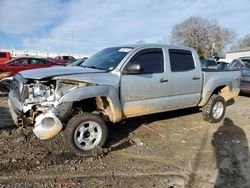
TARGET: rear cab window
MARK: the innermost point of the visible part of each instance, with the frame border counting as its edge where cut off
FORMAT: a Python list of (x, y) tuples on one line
[(181, 60)]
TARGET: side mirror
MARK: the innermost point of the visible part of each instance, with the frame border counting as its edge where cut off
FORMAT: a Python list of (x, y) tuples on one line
[(133, 69)]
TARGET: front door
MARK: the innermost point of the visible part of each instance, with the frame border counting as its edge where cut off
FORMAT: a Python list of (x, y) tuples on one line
[(145, 92)]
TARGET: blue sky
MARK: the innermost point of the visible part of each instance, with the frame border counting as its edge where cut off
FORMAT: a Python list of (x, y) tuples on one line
[(84, 26)]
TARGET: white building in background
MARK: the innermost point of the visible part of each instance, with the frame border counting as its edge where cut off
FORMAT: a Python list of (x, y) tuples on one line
[(18, 53), (234, 54)]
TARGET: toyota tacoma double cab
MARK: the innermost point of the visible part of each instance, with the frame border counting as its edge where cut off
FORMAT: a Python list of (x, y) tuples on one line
[(112, 85)]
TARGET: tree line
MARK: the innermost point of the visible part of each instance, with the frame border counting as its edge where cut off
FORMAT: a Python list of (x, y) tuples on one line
[(207, 37)]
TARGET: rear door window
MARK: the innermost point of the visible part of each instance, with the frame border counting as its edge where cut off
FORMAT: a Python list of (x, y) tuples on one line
[(181, 60), (37, 61)]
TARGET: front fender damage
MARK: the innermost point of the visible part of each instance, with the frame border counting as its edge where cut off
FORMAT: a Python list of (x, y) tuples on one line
[(107, 100)]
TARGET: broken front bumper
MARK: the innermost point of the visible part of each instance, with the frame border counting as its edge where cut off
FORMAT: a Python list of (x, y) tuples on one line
[(47, 124)]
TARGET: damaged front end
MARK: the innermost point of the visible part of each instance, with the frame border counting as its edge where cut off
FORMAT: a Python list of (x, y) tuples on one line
[(35, 104)]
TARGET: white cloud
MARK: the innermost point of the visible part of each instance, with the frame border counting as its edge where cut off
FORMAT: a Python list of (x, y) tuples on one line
[(25, 17), (96, 24)]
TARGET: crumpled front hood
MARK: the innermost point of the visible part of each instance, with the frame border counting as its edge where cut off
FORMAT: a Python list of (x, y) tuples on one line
[(43, 73), (107, 78), (74, 73)]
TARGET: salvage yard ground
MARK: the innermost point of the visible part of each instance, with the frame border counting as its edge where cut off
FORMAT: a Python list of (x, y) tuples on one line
[(174, 149)]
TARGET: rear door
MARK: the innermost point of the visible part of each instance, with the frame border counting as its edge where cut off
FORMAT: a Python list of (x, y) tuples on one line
[(185, 79), (145, 92)]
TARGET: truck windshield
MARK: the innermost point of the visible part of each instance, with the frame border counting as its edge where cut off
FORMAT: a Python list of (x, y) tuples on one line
[(107, 59)]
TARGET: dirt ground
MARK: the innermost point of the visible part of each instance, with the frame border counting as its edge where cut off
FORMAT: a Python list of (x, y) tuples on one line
[(172, 150)]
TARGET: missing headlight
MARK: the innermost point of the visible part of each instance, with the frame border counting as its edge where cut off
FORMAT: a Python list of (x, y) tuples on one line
[(39, 91)]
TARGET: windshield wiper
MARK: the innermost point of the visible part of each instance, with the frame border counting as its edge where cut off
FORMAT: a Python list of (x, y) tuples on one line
[(92, 67)]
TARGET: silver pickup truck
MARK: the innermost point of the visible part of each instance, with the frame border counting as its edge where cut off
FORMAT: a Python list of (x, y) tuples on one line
[(115, 84)]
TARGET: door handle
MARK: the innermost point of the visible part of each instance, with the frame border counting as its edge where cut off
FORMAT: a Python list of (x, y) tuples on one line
[(162, 80), (196, 78)]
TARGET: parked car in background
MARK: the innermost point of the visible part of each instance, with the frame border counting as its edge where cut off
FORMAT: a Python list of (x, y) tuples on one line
[(213, 63), (243, 65), (223, 63), (4, 56), (78, 62), (25, 63), (209, 63), (6, 81), (216, 58), (5, 75), (64, 59)]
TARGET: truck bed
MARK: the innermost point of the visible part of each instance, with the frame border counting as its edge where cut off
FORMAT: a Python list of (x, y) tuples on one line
[(216, 70), (212, 79)]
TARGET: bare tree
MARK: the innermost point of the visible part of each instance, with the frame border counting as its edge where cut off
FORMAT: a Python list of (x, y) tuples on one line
[(206, 36), (242, 43)]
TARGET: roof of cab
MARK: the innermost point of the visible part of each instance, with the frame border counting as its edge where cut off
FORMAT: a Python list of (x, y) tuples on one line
[(147, 45)]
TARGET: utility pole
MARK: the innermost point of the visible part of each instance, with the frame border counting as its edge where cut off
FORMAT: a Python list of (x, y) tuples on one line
[(72, 42), (212, 50)]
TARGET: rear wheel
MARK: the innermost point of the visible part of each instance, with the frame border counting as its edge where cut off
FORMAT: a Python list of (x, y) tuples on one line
[(214, 110), (84, 133)]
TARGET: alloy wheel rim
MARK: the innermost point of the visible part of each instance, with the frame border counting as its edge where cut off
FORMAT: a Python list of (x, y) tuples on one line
[(217, 110), (88, 135)]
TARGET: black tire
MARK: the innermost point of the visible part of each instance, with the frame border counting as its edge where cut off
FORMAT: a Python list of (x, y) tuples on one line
[(207, 110), (72, 131)]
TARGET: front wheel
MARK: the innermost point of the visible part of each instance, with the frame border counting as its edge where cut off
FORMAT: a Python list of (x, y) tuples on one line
[(214, 110), (84, 132)]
